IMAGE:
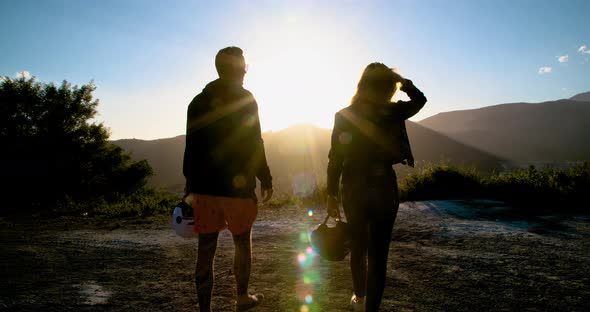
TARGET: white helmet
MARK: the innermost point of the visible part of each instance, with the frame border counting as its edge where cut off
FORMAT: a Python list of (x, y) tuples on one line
[(182, 220)]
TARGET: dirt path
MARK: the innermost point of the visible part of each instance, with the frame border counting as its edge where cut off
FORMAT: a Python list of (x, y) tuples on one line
[(445, 256)]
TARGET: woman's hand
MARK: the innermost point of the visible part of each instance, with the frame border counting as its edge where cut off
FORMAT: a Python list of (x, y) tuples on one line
[(333, 207), (407, 84)]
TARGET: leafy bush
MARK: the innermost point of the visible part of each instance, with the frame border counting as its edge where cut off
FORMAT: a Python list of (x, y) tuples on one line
[(144, 203), (53, 154), (441, 182), (545, 189), (531, 189)]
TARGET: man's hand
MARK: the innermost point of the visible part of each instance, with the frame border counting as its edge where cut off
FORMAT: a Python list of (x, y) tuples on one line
[(266, 194), (333, 207)]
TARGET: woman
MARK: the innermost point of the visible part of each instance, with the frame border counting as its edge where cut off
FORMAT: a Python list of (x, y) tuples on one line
[(369, 136)]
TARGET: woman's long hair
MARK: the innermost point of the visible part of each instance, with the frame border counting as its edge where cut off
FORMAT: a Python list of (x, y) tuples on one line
[(377, 85)]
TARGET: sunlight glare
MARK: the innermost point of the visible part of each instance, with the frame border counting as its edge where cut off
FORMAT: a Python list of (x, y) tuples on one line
[(303, 72)]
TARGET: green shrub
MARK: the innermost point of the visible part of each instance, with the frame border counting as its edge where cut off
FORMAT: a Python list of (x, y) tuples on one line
[(144, 203), (441, 182), (546, 189), (55, 153), (531, 189)]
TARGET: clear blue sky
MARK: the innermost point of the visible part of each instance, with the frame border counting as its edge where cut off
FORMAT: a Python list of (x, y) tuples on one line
[(149, 58)]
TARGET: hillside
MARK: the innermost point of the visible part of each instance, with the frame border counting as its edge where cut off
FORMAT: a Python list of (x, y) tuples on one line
[(554, 131), (582, 97), (165, 157), (298, 156)]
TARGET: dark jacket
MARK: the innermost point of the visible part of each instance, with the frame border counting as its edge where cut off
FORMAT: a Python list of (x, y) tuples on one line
[(224, 149), (366, 144)]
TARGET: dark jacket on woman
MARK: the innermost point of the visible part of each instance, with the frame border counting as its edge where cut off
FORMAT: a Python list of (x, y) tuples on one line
[(366, 142), (224, 151)]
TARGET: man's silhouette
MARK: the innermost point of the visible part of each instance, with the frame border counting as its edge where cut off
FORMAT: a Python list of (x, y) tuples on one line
[(223, 157)]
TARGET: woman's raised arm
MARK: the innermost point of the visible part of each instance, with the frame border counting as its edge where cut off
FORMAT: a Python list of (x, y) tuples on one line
[(407, 109)]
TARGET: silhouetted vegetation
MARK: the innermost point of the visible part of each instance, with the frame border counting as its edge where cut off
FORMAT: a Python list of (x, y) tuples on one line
[(535, 190), (441, 182), (143, 203), (54, 156), (56, 160), (550, 189)]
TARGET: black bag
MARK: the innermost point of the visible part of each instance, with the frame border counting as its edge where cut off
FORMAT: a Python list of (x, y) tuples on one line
[(331, 243)]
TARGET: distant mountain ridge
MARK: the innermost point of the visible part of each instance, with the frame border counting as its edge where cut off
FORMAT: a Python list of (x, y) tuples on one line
[(299, 154), (553, 131), (582, 97), (165, 157), (486, 138)]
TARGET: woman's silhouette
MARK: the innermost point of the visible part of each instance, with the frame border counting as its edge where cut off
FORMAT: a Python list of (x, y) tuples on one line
[(369, 136)]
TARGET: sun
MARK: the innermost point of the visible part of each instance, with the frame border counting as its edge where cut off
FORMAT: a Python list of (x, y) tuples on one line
[(301, 74)]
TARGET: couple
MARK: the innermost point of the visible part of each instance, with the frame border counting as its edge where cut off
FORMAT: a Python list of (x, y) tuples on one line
[(225, 154)]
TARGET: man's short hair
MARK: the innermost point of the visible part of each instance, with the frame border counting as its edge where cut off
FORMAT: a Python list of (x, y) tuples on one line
[(229, 61)]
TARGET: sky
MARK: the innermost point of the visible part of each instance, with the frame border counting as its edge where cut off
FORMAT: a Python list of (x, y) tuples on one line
[(148, 59)]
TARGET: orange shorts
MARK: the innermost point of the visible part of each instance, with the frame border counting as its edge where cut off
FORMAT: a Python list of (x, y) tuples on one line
[(215, 213)]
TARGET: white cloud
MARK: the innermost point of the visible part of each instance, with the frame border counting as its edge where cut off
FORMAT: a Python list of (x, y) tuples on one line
[(24, 74), (584, 50), (545, 70), (563, 58)]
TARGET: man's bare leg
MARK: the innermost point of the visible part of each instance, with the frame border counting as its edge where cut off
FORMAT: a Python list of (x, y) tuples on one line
[(204, 277), (242, 265), (242, 261)]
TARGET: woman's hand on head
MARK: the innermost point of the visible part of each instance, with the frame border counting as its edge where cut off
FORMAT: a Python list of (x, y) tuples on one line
[(397, 77), (406, 83)]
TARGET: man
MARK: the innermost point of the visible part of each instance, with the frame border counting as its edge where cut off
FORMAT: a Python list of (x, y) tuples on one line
[(224, 155)]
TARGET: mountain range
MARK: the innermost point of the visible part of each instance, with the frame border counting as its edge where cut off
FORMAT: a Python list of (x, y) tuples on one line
[(488, 139), (553, 131), (298, 156), (582, 97)]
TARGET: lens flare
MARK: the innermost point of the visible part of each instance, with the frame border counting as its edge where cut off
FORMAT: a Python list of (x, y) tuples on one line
[(303, 237), (301, 258), (345, 137), (310, 213), (311, 277), (239, 181), (304, 184)]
